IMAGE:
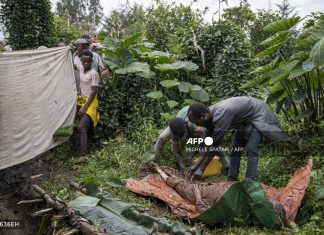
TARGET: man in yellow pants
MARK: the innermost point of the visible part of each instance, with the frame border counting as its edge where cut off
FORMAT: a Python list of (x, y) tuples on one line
[(88, 102)]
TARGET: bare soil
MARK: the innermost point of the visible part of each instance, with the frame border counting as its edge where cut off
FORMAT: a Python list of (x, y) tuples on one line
[(15, 185)]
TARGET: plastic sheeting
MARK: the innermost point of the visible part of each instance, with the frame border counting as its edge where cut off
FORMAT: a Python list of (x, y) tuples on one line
[(37, 96), (249, 201), (244, 202)]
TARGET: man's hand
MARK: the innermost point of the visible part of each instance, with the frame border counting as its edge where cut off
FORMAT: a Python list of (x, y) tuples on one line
[(191, 156), (105, 73), (196, 175), (83, 111), (152, 165)]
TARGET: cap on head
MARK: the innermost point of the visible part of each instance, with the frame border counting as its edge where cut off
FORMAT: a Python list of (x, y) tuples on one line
[(82, 41), (95, 45)]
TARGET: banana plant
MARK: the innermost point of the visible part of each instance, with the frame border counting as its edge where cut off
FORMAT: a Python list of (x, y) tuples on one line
[(298, 78)]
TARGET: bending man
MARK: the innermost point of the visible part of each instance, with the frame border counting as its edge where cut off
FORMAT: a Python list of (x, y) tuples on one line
[(250, 118)]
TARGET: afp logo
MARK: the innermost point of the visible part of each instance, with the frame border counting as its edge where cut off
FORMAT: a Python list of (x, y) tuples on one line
[(208, 141)]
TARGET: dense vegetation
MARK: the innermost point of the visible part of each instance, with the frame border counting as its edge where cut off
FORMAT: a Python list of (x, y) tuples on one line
[(33, 28), (180, 59), (166, 57)]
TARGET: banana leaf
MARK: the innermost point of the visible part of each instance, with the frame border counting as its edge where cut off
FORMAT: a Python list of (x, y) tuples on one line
[(117, 217)]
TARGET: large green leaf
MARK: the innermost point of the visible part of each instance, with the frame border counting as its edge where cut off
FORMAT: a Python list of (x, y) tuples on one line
[(269, 50), (282, 25), (277, 95), (129, 41), (318, 29), (195, 88), (126, 57), (299, 96), (198, 79), (200, 95), (188, 102), (296, 72), (184, 87), (134, 67), (109, 53), (114, 62), (172, 103), (305, 114), (110, 43), (317, 53), (159, 56), (186, 65), (261, 80), (169, 83), (84, 201), (275, 39), (283, 71), (301, 56), (155, 95), (307, 43), (145, 46), (262, 69)]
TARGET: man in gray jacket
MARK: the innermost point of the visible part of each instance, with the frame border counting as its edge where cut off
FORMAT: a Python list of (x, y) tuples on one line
[(250, 118)]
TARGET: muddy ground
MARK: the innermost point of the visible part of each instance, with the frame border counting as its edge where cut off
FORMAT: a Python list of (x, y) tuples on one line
[(15, 185)]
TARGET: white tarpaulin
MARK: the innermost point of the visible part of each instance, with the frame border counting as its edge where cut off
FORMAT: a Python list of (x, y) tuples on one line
[(37, 96)]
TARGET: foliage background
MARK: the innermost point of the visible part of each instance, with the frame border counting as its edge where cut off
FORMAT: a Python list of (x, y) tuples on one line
[(166, 57)]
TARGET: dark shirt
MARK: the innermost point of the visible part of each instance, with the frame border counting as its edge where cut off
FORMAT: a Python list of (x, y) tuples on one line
[(229, 114)]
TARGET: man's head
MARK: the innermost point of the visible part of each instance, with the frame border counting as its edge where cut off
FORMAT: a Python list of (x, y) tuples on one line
[(178, 128), (86, 59), (82, 44), (95, 47), (200, 115)]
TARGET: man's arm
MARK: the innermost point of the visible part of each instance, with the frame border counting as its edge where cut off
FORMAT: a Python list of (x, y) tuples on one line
[(161, 141), (203, 133), (177, 152), (104, 71)]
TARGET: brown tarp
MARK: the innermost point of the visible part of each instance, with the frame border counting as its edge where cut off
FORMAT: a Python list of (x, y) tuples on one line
[(290, 196)]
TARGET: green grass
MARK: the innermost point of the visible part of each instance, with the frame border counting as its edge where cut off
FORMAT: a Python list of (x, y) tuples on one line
[(122, 159)]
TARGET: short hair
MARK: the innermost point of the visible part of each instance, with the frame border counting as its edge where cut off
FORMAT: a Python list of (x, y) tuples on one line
[(198, 109), (86, 52), (177, 127)]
